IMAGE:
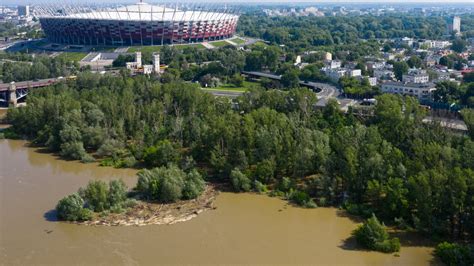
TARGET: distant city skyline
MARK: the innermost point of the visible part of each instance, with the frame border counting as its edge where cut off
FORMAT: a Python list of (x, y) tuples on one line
[(30, 2)]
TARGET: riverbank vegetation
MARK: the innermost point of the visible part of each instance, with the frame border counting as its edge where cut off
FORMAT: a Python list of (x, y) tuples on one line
[(404, 171), (373, 235), (102, 204)]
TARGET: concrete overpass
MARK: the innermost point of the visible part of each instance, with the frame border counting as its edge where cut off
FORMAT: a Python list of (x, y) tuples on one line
[(14, 92)]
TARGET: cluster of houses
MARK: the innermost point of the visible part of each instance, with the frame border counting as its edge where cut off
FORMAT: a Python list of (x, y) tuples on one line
[(416, 82)]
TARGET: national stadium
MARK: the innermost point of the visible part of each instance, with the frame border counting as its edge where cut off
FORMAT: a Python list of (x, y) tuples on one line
[(138, 24)]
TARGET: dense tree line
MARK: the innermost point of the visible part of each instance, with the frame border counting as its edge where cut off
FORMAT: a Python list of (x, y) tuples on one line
[(406, 172), (311, 31), (24, 67)]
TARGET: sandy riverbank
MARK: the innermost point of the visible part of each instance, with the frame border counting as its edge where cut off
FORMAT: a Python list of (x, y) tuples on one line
[(147, 213)]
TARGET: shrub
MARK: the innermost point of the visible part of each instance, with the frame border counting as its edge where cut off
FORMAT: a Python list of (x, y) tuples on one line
[(259, 187), (117, 193), (96, 195), (130, 203), (373, 235), (110, 147), (72, 150), (162, 154), (455, 254), (302, 199), (164, 184), (87, 158), (193, 185), (240, 182), (70, 208), (285, 184)]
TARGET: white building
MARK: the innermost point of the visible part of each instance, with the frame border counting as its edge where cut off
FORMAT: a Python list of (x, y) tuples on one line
[(456, 26), (384, 74), (422, 91), (137, 67), (327, 56), (24, 11), (333, 64), (416, 76)]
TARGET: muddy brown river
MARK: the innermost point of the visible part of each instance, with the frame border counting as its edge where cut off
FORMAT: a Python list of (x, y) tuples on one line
[(244, 229)]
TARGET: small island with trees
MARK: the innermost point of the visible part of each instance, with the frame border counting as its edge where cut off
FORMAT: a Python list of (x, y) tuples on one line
[(164, 195)]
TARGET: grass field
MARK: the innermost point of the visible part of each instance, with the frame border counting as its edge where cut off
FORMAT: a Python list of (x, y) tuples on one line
[(72, 56), (231, 87), (153, 49), (220, 43), (238, 40)]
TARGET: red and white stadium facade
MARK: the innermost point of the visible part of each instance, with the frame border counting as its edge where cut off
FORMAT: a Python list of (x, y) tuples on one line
[(139, 24)]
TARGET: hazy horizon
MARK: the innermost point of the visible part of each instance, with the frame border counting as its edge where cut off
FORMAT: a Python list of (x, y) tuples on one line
[(30, 2)]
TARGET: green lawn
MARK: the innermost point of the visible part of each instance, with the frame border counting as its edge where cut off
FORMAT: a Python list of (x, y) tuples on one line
[(72, 56), (153, 49), (238, 40), (144, 49), (231, 87), (220, 43)]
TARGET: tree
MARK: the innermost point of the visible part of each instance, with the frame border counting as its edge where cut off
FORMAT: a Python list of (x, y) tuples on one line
[(117, 193), (164, 184), (459, 45), (468, 117), (373, 235), (240, 182), (193, 185), (290, 79), (400, 68), (96, 195), (414, 62), (455, 254), (161, 154), (70, 208)]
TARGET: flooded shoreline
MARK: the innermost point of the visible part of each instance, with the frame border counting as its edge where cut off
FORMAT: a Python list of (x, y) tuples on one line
[(245, 228)]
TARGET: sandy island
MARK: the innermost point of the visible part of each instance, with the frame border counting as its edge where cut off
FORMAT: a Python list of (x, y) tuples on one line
[(147, 213)]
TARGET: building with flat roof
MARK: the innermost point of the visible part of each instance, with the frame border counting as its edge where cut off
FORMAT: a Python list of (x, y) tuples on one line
[(24, 11), (422, 91)]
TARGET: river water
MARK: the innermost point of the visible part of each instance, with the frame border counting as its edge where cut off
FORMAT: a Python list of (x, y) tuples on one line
[(244, 229)]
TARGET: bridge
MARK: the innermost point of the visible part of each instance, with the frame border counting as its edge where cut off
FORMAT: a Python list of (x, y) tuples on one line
[(324, 91), (15, 92)]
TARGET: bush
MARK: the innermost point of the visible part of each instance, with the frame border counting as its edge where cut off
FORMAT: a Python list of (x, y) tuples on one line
[(72, 150), (117, 193), (162, 154), (193, 185), (302, 199), (373, 235), (96, 195), (164, 184), (259, 187), (240, 182), (285, 184), (70, 208), (87, 158), (455, 254)]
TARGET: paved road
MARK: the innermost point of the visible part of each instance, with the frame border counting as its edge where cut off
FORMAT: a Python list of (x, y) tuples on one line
[(229, 94), (325, 90)]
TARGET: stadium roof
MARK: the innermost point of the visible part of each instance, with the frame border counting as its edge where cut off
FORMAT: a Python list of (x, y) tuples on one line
[(146, 12)]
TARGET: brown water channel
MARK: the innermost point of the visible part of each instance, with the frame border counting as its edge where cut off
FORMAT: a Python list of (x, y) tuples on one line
[(244, 229)]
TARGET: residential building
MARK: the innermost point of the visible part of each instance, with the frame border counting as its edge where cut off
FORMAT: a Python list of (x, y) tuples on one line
[(422, 91), (384, 74), (333, 64), (416, 76)]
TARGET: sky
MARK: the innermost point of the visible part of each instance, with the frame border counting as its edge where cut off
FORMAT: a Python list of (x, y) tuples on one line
[(437, 2), (13, 2)]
